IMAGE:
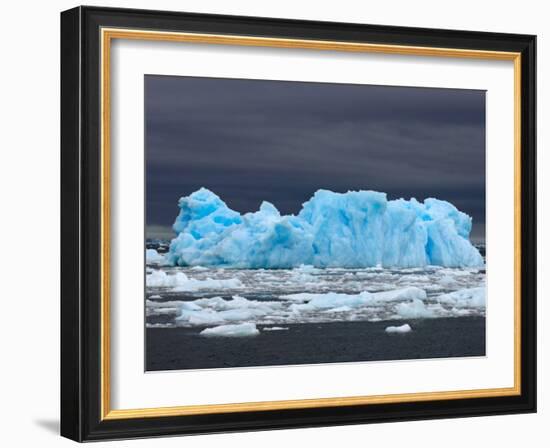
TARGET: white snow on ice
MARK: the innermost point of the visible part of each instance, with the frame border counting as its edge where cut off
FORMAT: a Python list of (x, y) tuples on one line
[(405, 328), (240, 330), (153, 257), (463, 298), (191, 297), (181, 282)]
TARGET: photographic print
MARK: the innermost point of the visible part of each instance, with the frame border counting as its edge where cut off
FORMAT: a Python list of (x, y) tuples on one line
[(254, 201), (301, 223)]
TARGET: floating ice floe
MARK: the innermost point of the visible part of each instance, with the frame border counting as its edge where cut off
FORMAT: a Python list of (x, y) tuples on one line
[(339, 302), (274, 328), (353, 229), (416, 309), (240, 330), (469, 297), (217, 310), (213, 296), (409, 293), (405, 328), (159, 325), (155, 308), (153, 257), (331, 300), (181, 282), (325, 307)]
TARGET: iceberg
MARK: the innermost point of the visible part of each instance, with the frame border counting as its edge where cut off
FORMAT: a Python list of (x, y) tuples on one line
[(357, 229)]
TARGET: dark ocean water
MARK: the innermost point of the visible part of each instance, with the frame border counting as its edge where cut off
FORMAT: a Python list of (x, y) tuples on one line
[(314, 343)]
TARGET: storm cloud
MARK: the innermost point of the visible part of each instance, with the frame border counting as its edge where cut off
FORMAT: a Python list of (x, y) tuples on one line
[(251, 140)]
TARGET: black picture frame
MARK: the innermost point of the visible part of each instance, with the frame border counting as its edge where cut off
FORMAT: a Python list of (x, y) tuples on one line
[(81, 413)]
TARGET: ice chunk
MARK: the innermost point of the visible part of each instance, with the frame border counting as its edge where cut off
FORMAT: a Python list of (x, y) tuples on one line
[(203, 317), (159, 325), (210, 316), (405, 328), (413, 310), (237, 302), (239, 330), (180, 282), (335, 302), (410, 301), (274, 328), (152, 256), (160, 279), (340, 309), (218, 310), (409, 293), (330, 300), (465, 298), (353, 229)]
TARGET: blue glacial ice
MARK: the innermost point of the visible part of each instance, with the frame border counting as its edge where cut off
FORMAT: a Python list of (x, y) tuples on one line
[(353, 229)]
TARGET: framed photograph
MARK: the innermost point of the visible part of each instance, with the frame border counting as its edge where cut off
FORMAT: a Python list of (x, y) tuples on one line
[(275, 224)]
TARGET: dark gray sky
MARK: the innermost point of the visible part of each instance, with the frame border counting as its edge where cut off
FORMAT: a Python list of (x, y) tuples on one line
[(250, 140)]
